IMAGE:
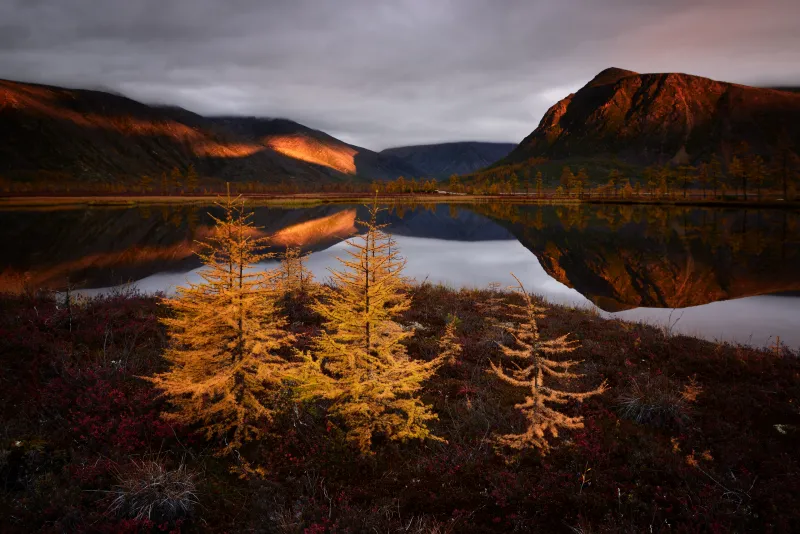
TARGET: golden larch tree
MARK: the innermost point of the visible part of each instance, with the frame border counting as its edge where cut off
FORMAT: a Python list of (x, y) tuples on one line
[(360, 364), (538, 371), (449, 347), (294, 277), (225, 337), (295, 284)]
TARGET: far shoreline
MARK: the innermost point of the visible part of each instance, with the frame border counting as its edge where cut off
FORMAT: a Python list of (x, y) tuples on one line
[(300, 199)]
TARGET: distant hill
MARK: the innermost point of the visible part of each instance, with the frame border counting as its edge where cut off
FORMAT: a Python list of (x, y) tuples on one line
[(444, 159), (60, 134), (316, 147), (643, 119), (96, 136)]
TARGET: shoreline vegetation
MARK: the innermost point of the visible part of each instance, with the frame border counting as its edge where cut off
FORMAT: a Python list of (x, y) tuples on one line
[(311, 199), (269, 402)]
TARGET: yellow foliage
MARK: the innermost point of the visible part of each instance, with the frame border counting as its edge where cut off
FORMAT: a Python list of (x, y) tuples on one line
[(449, 347), (692, 390), (359, 363), (535, 369), (293, 276), (225, 332)]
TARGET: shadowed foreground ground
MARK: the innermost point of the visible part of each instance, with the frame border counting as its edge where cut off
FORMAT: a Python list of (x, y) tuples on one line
[(76, 418)]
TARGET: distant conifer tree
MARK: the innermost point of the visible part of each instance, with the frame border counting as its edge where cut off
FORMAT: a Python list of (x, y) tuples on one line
[(537, 370), (686, 174), (145, 182), (613, 180), (526, 181), (360, 364), (191, 178), (736, 171), (539, 184), (175, 179), (454, 184), (783, 161), (293, 275), (295, 283), (225, 333), (583, 178), (566, 178), (715, 173), (758, 173), (449, 347), (627, 190)]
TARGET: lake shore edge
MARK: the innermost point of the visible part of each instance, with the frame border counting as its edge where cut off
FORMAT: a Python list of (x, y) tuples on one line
[(303, 199)]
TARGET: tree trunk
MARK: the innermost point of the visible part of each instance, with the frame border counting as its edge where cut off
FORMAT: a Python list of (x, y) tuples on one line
[(368, 267), (240, 343)]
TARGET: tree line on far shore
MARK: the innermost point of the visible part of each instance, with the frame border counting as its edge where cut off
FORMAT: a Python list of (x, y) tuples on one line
[(744, 175)]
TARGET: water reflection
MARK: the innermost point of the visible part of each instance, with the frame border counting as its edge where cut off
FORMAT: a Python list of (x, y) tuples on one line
[(727, 271)]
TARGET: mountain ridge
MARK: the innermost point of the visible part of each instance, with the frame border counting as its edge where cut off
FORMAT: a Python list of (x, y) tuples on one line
[(62, 134), (440, 160), (657, 118), (298, 141), (97, 136)]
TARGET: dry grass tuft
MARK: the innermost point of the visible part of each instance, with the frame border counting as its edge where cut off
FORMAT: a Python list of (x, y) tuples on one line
[(656, 401), (147, 490)]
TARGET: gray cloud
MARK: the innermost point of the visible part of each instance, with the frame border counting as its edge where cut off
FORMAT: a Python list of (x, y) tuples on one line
[(380, 73)]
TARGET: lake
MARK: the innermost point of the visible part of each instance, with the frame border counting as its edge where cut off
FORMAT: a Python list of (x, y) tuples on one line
[(721, 274)]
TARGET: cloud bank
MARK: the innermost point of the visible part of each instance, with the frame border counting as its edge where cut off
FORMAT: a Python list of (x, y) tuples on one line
[(388, 73)]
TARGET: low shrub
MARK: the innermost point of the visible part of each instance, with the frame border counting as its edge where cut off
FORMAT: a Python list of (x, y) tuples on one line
[(656, 401), (148, 490)]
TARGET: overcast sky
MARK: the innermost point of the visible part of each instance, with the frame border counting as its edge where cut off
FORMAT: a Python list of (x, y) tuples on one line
[(379, 73)]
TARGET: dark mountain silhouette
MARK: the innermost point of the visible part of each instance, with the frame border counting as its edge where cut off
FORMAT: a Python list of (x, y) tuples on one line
[(74, 134), (61, 134), (644, 119), (444, 159)]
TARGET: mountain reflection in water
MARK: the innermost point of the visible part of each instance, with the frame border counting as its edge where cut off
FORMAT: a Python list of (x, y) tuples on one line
[(732, 274)]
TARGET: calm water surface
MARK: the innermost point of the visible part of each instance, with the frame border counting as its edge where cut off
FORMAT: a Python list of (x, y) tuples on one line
[(721, 274)]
